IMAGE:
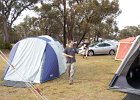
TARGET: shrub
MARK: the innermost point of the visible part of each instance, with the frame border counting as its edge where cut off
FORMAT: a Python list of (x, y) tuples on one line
[(1, 45), (5, 46)]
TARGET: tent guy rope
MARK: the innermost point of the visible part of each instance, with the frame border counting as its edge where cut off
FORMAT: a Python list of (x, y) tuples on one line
[(34, 89)]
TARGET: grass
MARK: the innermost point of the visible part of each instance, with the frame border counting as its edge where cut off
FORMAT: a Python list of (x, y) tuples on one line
[(91, 81)]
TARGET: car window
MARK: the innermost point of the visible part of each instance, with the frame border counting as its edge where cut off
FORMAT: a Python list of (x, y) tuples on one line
[(106, 44), (103, 45), (91, 45)]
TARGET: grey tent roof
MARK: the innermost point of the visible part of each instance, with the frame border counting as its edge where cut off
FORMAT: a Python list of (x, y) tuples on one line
[(127, 78), (132, 97)]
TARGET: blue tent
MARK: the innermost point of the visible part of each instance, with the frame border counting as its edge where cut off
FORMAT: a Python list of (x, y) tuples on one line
[(36, 59)]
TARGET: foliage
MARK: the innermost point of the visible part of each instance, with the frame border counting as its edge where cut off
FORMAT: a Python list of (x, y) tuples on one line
[(27, 28), (10, 10), (129, 31), (88, 19), (5, 46)]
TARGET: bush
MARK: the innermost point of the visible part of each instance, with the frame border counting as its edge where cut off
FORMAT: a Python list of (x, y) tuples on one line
[(1, 45), (5, 46)]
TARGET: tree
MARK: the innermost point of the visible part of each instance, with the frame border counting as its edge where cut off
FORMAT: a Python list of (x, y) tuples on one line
[(27, 28), (91, 14), (82, 18), (93, 17), (10, 10), (129, 31), (50, 21), (103, 13)]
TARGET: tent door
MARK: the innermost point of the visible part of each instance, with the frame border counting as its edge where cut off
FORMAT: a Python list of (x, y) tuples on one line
[(133, 75)]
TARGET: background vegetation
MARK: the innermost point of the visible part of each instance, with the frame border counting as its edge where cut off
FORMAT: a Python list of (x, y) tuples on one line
[(62, 19)]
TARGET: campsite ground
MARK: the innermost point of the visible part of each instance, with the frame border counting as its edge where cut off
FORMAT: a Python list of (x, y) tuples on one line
[(91, 82)]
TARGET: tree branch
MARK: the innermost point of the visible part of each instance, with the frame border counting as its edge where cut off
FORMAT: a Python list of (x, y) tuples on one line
[(17, 14)]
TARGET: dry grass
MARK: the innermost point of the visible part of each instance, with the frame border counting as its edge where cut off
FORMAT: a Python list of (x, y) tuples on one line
[(91, 82)]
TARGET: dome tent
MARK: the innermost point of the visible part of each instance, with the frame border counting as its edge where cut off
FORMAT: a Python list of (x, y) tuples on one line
[(127, 76), (37, 59)]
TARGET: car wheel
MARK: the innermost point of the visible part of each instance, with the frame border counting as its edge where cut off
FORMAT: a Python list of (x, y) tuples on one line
[(90, 53), (111, 52)]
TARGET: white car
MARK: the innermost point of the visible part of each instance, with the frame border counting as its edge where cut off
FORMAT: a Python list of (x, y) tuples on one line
[(82, 49), (102, 48), (112, 41)]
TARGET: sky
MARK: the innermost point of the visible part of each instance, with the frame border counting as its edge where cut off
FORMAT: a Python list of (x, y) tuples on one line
[(130, 15)]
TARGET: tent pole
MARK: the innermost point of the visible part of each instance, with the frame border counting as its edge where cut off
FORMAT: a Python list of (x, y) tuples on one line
[(35, 89)]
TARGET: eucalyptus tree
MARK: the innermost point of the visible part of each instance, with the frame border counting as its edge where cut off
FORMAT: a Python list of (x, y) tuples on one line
[(129, 31), (103, 13), (50, 21), (92, 17), (82, 18), (27, 28), (10, 10)]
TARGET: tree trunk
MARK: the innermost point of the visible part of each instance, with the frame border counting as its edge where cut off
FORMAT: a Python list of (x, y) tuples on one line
[(64, 25), (5, 32), (82, 38), (69, 36)]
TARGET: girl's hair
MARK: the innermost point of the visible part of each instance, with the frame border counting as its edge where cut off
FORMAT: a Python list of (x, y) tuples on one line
[(69, 41)]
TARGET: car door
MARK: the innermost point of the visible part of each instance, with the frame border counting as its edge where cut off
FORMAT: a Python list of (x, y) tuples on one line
[(107, 48), (98, 49), (102, 48)]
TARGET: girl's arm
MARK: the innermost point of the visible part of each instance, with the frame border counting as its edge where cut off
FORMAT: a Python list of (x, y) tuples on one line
[(64, 54)]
